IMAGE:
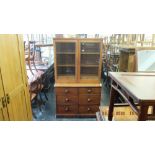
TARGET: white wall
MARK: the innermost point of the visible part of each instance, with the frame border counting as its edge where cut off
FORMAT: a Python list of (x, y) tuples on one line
[(146, 60)]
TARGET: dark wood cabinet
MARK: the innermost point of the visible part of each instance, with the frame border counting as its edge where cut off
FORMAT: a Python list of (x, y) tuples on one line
[(77, 101)]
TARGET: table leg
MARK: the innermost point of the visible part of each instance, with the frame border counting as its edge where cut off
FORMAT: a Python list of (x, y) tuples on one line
[(143, 113), (153, 111), (113, 94)]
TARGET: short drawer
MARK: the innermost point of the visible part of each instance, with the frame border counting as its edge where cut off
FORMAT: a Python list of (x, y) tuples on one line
[(89, 99), (90, 90), (67, 99), (67, 109), (88, 109), (66, 91)]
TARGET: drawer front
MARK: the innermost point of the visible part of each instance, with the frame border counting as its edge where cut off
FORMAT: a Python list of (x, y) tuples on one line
[(67, 109), (67, 99), (89, 99), (66, 91), (90, 90), (88, 109)]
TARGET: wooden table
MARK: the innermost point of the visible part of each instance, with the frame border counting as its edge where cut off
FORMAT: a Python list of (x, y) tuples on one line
[(137, 89)]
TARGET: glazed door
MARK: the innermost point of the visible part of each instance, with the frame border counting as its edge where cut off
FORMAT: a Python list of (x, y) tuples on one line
[(11, 69), (3, 108), (90, 61), (65, 60)]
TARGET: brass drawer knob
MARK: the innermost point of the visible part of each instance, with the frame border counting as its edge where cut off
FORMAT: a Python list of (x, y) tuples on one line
[(88, 109), (4, 102), (7, 99), (89, 99), (66, 109), (1, 105), (89, 90), (66, 90), (66, 99)]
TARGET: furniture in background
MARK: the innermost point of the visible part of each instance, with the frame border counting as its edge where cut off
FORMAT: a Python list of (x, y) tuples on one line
[(14, 96), (132, 88), (145, 60), (129, 58), (30, 55), (40, 85), (77, 76)]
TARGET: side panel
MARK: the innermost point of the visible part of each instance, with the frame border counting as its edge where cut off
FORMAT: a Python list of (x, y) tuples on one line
[(3, 110), (13, 78)]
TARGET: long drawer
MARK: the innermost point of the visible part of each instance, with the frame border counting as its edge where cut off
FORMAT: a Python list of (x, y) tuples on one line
[(66, 99), (91, 90), (67, 109), (89, 99), (66, 91), (88, 109)]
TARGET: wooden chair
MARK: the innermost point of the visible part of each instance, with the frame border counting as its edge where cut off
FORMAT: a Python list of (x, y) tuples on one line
[(35, 90), (30, 55), (47, 82)]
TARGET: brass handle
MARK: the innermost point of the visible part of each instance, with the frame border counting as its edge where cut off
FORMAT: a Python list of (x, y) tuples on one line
[(1, 106), (66, 109), (66, 91), (3, 102), (89, 90), (66, 99), (88, 109), (89, 99), (7, 99)]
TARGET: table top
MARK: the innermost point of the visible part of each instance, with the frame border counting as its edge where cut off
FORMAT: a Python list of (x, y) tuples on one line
[(141, 86)]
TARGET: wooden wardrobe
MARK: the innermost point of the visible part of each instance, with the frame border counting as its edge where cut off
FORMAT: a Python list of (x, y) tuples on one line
[(14, 95)]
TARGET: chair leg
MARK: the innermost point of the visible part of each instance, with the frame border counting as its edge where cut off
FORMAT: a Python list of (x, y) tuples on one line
[(40, 97), (34, 65), (45, 96), (30, 68), (34, 115)]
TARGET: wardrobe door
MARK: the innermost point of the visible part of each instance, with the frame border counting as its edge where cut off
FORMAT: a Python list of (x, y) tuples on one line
[(3, 109), (12, 76)]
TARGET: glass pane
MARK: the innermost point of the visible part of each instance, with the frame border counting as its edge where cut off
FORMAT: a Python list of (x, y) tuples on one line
[(65, 59), (90, 56), (65, 47), (87, 59), (90, 48), (146, 61)]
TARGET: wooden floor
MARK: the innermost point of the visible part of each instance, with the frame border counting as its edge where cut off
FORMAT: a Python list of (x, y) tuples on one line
[(120, 114)]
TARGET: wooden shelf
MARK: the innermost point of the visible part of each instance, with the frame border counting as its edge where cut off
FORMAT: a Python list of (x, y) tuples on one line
[(64, 76), (89, 65), (90, 53), (78, 85), (89, 76), (68, 65), (73, 53)]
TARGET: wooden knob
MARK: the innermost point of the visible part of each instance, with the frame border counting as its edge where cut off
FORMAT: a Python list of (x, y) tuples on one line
[(88, 109), (89, 99), (66, 109), (89, 91), (66, 99), (66, 91)]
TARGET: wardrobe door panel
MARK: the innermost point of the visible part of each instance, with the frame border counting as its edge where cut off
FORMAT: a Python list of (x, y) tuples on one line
[(3, 110), (12, 75)]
